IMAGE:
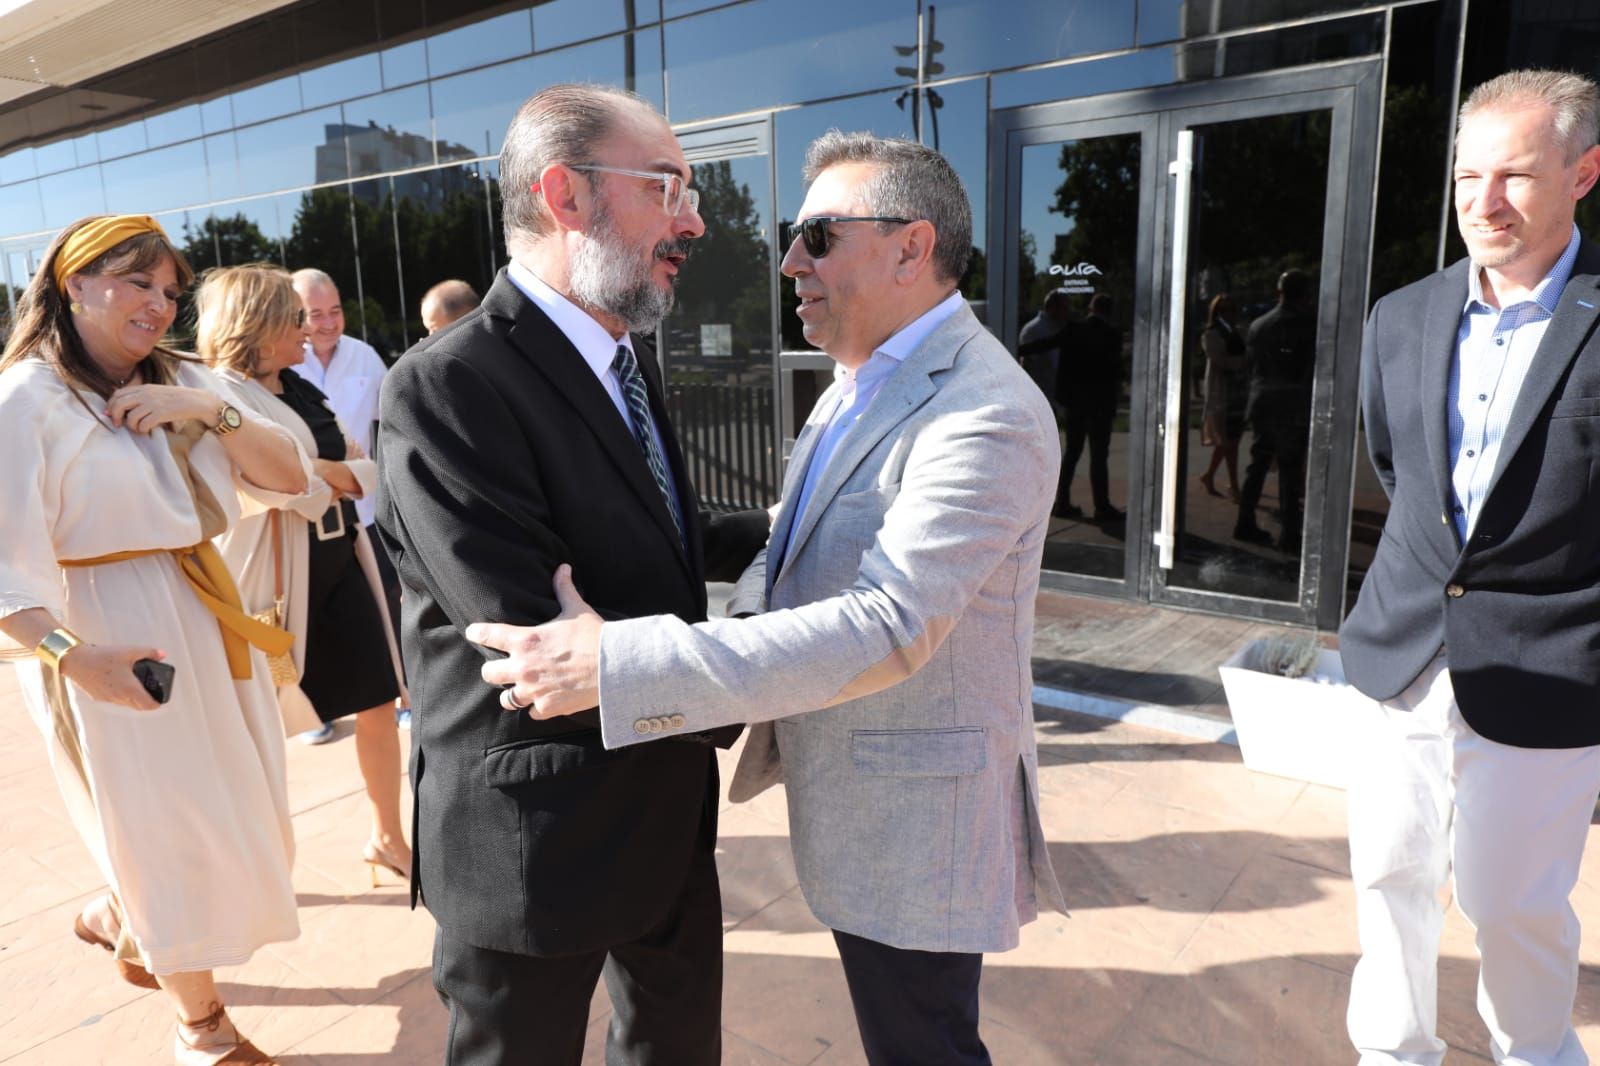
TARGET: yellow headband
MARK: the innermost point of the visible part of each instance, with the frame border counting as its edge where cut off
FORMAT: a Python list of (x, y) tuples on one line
[(96, 239)]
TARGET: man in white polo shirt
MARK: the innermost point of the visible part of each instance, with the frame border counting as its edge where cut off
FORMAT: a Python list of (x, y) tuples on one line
[(349, 372)]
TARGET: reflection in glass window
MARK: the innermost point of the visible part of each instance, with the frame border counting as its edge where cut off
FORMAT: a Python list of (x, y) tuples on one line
[(217, 115), (155, 181), (230, 234), (86, 149), (71, 196), (1172, 20), (793, 132), (404, 64), (281, 97), (340, 81), (320, 236), (302, 150), (21, 207), (674, 8), (388, 132), (125, 139), (170, 127), (17, 166), (382, 298), (444, 223), (717, 342), (471, 111), (222, 166), (972, 36), (955, 121), (1136, 70), (54, 158), (480, 44), (559, 22), (729, 61)]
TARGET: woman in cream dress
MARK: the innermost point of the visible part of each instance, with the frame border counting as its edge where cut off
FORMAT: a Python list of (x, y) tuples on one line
[(250, 330), (121, 461)]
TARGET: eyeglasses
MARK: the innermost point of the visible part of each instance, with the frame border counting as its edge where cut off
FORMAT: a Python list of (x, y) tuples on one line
[(814, 231), (675, 193)]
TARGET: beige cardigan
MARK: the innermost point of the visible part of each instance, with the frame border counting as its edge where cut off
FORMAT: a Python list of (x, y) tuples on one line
[(247, 547)]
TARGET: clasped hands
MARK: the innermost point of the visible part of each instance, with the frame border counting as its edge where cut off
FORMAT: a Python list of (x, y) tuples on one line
[(549, 670)]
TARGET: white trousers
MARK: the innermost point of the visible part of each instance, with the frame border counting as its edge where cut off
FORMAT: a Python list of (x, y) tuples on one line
[(1432, 797)]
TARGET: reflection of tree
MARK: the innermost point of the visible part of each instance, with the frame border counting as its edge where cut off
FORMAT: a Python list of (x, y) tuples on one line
[(1406, 234), (727, 279), (237, 238), (1099, 197)]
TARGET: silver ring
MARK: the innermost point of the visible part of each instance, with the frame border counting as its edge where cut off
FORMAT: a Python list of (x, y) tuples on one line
[(508, 699)]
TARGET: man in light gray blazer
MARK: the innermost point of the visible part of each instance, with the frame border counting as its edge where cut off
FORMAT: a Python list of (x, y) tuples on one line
[(886, 666)]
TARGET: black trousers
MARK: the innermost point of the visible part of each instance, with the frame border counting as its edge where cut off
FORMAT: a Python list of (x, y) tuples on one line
[(914, 1008), (1283, 444), (1089, 420), (666, 993)]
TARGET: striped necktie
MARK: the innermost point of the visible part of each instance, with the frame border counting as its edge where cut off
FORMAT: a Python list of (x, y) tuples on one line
[(638, 400)]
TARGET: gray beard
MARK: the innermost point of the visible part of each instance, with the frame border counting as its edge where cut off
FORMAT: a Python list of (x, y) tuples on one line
[(608, 275)]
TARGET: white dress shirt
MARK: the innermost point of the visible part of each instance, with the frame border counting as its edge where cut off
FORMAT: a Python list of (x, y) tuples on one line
[(351, 380), (859, 387), (594, 343)]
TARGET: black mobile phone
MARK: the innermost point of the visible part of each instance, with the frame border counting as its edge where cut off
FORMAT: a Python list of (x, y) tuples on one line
[(156, 677)]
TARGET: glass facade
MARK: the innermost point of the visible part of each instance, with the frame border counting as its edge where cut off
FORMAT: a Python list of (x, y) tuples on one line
[(362, 138)]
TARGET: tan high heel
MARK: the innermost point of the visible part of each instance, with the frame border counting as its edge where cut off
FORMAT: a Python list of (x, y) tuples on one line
[(240, 1053), (375, 859), (130, 972)]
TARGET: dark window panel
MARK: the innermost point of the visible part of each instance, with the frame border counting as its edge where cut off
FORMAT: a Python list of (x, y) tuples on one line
[(480, 43), (170, 127), (404, 64), (1175, 20), (397, 18), (974, 36), (301, 150), (1317, 42), (257, 51), (389, 132), (728, 61), (793, 131), (72, 195), (443, 217), (332, 82), (332, 29), (155, 181)]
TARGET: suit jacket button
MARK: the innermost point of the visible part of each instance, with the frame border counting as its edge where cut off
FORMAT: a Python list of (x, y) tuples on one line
[(655, 725), (677, 721), (641, 726), (1455, 592)]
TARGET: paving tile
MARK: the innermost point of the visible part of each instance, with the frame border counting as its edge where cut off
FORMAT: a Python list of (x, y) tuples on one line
[(754, 862), (56, 986)]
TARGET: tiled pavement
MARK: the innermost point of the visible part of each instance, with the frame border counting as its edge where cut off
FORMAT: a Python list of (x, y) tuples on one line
[(1212, 923)]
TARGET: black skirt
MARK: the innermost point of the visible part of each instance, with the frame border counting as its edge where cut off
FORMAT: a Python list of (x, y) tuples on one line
[(347, 663)]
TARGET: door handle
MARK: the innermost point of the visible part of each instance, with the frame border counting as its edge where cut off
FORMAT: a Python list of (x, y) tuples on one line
[(1182, 170)]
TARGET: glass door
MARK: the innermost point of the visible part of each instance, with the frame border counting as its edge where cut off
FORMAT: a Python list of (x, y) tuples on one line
[(1186, 281)]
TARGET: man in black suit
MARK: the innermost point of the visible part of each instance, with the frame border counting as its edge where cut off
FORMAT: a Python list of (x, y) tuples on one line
[(1477, 630), (533, 433), (1280, 351)]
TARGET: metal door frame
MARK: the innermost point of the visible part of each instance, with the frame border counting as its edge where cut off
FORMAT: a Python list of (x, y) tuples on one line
[(1352, 90)]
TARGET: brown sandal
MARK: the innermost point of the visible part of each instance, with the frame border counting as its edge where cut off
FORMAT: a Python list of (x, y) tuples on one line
[(130, 972), (242, 1053)]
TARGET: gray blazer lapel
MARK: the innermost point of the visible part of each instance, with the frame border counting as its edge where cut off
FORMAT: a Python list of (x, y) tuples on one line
[(1569, 328), (908, 388), (1440, 327), (793, 477)]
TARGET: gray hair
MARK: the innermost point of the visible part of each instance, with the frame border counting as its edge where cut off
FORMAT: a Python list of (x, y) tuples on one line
[(311, 278), (1573, 98), (560, 124), (910, 181)]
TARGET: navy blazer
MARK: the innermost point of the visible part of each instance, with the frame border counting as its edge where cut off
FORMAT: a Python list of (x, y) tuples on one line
[(1517, 608)]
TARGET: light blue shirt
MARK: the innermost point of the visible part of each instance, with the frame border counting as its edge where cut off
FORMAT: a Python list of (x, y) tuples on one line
[(1494, 349), (594, 343), (858, 388)]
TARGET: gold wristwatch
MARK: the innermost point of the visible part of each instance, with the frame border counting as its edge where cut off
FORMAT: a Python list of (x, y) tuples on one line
[(228, 420)]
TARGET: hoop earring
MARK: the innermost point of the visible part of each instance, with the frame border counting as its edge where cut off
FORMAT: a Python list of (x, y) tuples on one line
[(75, 307)]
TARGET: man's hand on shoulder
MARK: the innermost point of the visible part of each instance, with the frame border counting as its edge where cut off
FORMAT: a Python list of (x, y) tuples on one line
[(549, 670)]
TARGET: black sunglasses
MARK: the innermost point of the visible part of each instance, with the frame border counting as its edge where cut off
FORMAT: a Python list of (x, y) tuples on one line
[(814, 231)]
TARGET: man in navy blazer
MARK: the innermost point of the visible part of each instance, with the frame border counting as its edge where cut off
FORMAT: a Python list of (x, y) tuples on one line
[(1477, 630)]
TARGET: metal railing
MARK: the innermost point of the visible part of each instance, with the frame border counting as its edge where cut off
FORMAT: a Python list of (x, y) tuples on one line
[(729, 435)]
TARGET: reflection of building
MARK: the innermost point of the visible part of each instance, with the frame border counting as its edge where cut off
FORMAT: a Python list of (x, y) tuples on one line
[(401, 89)]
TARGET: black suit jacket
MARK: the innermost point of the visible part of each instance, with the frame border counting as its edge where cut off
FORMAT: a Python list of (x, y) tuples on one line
[(504, 457), (1518, 607)]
